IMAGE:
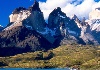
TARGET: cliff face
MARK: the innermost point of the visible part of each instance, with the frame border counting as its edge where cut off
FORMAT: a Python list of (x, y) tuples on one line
[(35, 20), (17, 16), (58, 20), (64, 27), (31, 17)]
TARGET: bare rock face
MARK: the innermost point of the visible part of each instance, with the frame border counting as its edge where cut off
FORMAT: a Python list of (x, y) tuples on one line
[(35, 7), (58, 20), (65, 28), (16, 18), (19, 14), (31, 17), (91, 28), (20, 39), (94, 19), (36, 19)]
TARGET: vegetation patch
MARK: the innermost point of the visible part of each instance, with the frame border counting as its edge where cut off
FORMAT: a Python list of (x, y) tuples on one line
[(75, 56)]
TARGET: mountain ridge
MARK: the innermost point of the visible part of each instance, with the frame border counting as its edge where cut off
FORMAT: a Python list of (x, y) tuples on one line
[(25, 24)]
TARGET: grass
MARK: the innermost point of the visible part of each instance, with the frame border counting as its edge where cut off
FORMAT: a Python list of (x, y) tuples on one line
[(85, 57)]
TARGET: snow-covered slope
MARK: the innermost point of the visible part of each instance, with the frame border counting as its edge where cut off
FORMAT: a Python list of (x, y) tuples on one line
[(94, 19), (95, 24), (90, 33)]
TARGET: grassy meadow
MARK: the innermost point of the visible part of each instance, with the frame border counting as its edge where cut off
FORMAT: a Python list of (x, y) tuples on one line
[(76, 56)]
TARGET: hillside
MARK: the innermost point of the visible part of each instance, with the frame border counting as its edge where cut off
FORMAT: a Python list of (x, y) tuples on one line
[(75, 56)]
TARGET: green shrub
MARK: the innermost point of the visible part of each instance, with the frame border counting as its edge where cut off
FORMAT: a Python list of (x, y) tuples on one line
[(93, 63), (39, 56)]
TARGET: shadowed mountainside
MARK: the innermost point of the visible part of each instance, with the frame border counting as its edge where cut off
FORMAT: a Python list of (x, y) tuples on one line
[(20, 39)]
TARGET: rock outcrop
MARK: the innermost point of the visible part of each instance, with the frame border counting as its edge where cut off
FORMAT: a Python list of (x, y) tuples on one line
[(31, 18), (35, 20), (16, 18), (90, 31), (65, 28)]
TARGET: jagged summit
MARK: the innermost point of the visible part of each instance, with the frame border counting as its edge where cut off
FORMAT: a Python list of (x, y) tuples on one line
[(55, 18), (35, 6), (17, 10), (57, 11), (27, 17)]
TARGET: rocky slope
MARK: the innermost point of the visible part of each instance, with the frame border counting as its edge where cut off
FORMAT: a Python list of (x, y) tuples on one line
[(20, 39)]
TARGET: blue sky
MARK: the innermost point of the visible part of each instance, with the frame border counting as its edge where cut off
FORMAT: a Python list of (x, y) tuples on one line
[(7, 6)]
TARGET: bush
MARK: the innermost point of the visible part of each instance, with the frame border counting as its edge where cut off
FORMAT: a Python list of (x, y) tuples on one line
[(48, 55), (39, 56), (2, 64), (44, 55)]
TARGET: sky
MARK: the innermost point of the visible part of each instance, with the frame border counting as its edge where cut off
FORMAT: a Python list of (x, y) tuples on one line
[(81, 8)]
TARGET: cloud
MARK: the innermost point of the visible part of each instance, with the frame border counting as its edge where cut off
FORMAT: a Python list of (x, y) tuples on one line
[(79, 7)]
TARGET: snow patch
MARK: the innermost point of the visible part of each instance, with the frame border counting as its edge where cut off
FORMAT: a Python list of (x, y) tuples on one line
[(95, 24), (48, 31), (72, 32), (29, 27), (61, 16)]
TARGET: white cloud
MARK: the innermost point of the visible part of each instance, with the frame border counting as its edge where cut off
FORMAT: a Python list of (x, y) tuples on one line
[(79, 7), (96, 5)]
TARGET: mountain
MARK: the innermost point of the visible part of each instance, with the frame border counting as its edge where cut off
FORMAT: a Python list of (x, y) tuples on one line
[(66, 30), (27, 30), (24, 32), (58, 19), (94, 22)]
